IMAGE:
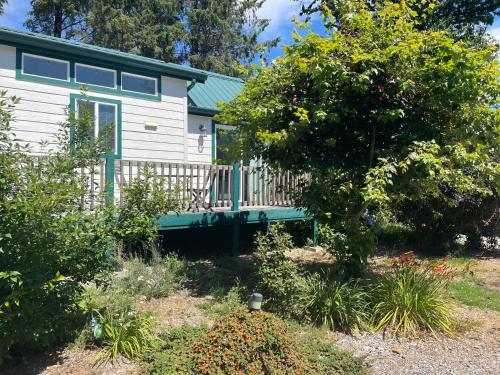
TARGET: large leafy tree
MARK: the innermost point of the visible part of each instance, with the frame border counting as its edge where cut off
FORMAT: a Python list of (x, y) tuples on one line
[(378, 111), (464, 17), (150, 28), (60, 18), (221, 33)]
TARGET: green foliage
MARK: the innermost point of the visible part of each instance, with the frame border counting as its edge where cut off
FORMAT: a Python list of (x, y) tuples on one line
[(377, 111), (151, 280), (407, 300), (224, 303), (174, 356), (243, 342), (57, 18), (145, 199), (470, 291), (279, 279), (325, 358), (2, 2), (51, 242), (340, 306), (232, 23), (128, 334), (151, 29)]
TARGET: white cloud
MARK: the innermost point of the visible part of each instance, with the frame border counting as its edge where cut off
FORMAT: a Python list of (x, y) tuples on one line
[(495, 32), (280, 13)]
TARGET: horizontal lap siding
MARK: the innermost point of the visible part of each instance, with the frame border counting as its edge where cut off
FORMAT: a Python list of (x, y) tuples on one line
[(199, 148), (43, 107)]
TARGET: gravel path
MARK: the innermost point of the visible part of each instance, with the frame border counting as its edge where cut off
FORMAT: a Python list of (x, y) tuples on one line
[(474, 352)]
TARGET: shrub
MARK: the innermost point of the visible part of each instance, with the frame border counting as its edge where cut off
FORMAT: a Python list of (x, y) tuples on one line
[(145, 199), (341, 306), (279, 279), (152, 280), (50, 242), (128, 334), (409, 299), (243, 342), (224, 302), (325, 358), (173, 357)]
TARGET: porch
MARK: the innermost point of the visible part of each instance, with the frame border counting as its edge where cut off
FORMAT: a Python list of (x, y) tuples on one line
[(210, 195)]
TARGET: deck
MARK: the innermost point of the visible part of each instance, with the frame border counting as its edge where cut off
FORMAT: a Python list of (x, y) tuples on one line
[(210, 195)]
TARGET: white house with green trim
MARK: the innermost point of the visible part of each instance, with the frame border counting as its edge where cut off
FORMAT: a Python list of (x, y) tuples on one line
[(162, 111), (161, 114)]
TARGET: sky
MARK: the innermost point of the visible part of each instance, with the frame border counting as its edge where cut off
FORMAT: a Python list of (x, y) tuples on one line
[(279, 12)]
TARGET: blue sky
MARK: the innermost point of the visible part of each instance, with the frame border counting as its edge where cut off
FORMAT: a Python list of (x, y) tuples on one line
[(280, 12)]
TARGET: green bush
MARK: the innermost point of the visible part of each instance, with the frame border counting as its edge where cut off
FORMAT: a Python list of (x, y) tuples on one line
[(325, 358), (251, 343), (51, 243), (152, 279), (174, 356), (340, 306), (279, 279), (407, 300), (145, 199), (128, 334)]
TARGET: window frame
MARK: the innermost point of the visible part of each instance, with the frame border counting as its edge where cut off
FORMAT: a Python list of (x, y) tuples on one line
[(73, 59), (122, 73), (67, 62), (114, 71), (75, 98)]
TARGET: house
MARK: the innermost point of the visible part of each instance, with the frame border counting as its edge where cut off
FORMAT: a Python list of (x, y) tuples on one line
[(161, 113)]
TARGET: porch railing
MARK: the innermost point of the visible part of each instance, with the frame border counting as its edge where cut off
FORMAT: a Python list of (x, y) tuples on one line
[(201, 186)]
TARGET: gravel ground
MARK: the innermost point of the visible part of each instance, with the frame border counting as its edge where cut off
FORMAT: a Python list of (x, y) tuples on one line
[(476, 351)]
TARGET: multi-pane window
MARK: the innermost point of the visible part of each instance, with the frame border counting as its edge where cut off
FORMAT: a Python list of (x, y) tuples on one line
[(45, 67), (102, 120), (140, 84), (92, 75)]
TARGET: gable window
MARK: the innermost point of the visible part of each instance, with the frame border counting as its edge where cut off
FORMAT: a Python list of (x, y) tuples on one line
[(103, 120), (139, 84), (45, 67), (95, 76)]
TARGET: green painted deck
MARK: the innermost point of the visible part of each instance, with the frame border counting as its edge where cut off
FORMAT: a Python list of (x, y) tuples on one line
[(250, 215)]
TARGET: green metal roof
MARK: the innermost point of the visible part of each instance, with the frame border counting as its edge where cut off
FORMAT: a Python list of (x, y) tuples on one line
[(203, 97), (29, 39)]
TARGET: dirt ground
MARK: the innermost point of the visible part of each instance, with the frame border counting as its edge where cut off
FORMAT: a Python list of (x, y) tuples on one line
[(476, 350)]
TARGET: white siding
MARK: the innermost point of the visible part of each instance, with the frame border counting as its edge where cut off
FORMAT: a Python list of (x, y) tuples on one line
[(199, 148), (175, 139)]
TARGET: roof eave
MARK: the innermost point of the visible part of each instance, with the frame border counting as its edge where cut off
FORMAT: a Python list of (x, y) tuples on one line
[(201, 111), (168, 69)]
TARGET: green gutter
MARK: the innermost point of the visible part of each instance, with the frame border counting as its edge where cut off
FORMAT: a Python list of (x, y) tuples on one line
[(200, 111), (27, 39)]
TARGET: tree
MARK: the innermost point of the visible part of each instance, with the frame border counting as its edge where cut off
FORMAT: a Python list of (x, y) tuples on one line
[(220, 34), (377, 111), (2, 2), (464, 17), (150, 28), (59, 18)]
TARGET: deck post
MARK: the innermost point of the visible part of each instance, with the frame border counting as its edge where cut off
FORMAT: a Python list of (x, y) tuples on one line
[(235, 206), (110, 179), (314, 228)]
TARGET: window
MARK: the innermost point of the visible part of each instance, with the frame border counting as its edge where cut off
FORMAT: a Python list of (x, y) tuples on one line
[(102, 121), (140, 84), (45, 67), (92, 75)]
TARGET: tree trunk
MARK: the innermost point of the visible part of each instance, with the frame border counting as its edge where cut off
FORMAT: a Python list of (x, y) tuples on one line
[(58, 20)]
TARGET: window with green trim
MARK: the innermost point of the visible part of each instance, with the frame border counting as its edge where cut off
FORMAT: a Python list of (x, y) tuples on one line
[(103, 119), (40, 66)]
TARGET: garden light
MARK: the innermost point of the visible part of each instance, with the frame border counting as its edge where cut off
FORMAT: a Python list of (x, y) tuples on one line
[(255, 302)]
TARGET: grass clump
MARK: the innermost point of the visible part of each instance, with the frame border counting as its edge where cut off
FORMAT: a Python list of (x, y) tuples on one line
[(128, 334), (473, 295), (407, 300), (152, 280), (340, 306)]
